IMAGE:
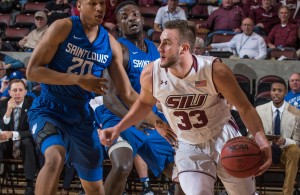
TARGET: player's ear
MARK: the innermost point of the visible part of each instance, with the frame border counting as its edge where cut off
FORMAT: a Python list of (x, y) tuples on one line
[(184, 47), (78, 5)]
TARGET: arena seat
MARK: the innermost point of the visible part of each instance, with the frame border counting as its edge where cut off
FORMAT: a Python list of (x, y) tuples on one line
[(15, 34), (264, 83), (24, 20), (149, 12), (262, 98), (221, 38), (288, 53), (4, 20), (32, 7), (245, 84)]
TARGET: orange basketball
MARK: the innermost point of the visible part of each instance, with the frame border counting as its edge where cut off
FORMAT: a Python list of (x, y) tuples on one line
[(241, 157)]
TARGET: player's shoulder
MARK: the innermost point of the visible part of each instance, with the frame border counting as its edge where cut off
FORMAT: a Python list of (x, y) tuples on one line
[(60, 27)]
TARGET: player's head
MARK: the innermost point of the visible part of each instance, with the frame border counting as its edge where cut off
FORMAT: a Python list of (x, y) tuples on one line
[(178, 38), (129, 19), (17, 90), (91, 11), (278, 91)]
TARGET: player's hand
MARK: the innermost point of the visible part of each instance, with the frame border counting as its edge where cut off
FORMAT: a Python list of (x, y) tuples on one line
[(165, 131), (91, 83), (107, 136), (265, 147)]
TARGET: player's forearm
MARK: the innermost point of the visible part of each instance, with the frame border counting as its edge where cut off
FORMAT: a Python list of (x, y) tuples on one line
[(252, 121), (137, 112), (52, 77)]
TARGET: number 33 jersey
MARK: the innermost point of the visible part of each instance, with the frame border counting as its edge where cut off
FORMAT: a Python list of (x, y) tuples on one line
[(77, 55), (194, 109)]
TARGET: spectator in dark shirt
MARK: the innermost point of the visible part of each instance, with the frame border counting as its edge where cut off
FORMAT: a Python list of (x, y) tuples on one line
[(265, 17), (283, 34), (16, 131), (57, 9)]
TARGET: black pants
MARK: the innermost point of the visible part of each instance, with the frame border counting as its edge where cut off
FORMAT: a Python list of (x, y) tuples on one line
[(27, 147)]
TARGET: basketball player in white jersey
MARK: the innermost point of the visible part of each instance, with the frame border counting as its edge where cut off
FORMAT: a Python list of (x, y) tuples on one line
[(191, 90)]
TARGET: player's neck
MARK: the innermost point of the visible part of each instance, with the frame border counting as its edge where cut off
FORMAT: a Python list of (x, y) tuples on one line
[(182, 67), (138, 42)]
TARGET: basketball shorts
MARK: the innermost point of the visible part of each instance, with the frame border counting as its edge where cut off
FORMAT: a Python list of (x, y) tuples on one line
[(153, 148), (69, 123), (205, 158)]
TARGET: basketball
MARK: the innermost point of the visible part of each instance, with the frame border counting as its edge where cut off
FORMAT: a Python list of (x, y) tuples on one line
[(241, 157)]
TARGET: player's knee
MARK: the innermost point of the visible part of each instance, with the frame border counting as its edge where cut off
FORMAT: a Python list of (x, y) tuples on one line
[(122, 167), (54, 158)]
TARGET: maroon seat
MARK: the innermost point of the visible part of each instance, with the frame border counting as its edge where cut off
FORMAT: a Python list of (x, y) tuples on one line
[(15, 34), (32, 7), (4, 20), (221, 38), (262, 98), (149, 12), (264, 83), (24, 20), (289, 53)]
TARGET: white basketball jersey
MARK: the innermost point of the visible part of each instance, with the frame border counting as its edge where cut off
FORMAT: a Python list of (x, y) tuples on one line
[(192, 106)]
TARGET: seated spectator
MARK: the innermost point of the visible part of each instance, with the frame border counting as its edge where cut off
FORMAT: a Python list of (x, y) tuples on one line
[(248, 5), (13, 76), (29, 42), (226, 19), (265, 17), (293, 96), (247, 44), (169, 12), (199, 46), (3, 79), (10, 64), (5, 83), (57, 9), (15, 129), (109, 20), (282, 125), (284, 34)]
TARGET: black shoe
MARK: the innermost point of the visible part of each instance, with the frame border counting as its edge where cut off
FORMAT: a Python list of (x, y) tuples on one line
[(29, 191), (147, 189)]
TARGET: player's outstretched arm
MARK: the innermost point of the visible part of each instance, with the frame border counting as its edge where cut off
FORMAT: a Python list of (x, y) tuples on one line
[(45, 51), (139, 110), (227, 85)]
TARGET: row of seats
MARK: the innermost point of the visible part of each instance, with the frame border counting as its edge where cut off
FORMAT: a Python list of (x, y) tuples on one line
[(259, 94)]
